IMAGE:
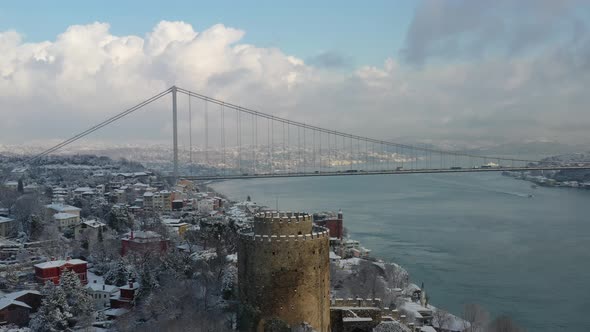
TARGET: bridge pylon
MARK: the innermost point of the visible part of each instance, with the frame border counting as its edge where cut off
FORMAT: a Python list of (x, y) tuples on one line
[(174, 132)]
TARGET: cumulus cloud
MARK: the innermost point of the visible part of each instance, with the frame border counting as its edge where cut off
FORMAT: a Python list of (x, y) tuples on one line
[(53, 89)]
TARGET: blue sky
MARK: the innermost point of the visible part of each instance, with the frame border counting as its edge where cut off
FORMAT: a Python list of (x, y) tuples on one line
[(363, 33), (465, 71)]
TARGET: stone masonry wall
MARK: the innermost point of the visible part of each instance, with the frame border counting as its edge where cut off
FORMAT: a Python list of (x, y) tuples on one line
[(287, 276)]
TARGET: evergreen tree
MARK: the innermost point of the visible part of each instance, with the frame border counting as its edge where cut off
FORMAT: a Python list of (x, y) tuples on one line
[(100, 238), (148, 280), (79, 301), (54, 313), (119, 274), (20, 188), (12, 279)]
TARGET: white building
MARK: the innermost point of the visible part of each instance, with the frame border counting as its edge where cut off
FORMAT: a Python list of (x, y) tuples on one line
[(88, 229), (101, 294), (65, 220), (206, 205), (63, 208)]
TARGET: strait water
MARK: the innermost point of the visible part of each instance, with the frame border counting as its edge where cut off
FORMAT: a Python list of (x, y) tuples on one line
[(470, 237)]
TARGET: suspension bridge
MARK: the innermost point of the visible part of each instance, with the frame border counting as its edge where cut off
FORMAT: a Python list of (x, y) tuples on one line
[(239, 142)]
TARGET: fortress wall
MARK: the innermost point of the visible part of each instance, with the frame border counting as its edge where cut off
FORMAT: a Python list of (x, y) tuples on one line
[(287, 276)]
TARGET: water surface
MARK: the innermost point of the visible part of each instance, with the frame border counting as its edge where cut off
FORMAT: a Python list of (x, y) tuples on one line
[(468, 237)]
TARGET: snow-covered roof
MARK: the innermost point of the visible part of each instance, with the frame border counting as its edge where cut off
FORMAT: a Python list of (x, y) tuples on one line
[(427, 329), (93, 223), (177, 225), (415, 308), (63, 216), (4, 219), (62, 207), (142, 235), (5, 302), (59, 263), (134, 285), (357, 319), (334, 256), (116, 312), (16, 295), (96, 287), (170, 221), (148, 194)]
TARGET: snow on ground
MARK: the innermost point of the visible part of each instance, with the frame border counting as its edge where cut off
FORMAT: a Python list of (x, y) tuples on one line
[(347, 264)]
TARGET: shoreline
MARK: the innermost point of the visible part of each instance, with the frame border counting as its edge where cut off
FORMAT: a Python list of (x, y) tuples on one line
[(411, 299)]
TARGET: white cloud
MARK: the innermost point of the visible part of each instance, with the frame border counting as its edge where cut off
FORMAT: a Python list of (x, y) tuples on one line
[(55, 88)]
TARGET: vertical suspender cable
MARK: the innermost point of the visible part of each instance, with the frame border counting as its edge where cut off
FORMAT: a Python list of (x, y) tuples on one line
[(190, 131), (206, 136)]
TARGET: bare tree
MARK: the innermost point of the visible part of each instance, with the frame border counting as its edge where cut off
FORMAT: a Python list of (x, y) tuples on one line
[(476, 317), (442, 319), (503, 324)]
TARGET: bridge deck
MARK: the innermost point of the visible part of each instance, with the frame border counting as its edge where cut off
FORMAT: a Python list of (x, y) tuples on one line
[(362, 172)]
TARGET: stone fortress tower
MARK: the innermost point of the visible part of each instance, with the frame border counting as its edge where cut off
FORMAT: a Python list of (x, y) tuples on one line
[(284, 269)]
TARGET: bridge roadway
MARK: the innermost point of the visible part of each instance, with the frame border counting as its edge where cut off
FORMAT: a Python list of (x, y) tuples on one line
[(401, 171)]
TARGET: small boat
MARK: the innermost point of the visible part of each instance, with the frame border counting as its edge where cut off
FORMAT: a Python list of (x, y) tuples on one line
[(534, 186), (531, 195)]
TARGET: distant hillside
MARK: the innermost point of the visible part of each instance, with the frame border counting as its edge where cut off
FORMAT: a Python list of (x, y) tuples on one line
[(538, 149)]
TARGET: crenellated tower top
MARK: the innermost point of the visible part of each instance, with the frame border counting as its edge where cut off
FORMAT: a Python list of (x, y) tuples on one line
[(282, 223)]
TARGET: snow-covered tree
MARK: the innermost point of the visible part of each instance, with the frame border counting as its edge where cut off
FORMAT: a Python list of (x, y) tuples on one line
[(119, 274), (54, 313), (148, 279), (11, 275), (393, 326), (78, 299), (229, 280), (14, 328)]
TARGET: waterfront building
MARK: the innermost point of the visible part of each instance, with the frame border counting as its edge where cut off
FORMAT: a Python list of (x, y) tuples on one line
[(284, 269), (334, 226)]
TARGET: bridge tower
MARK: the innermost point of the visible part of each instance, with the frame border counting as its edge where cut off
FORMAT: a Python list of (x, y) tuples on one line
[(284, 269), (174, 132)]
